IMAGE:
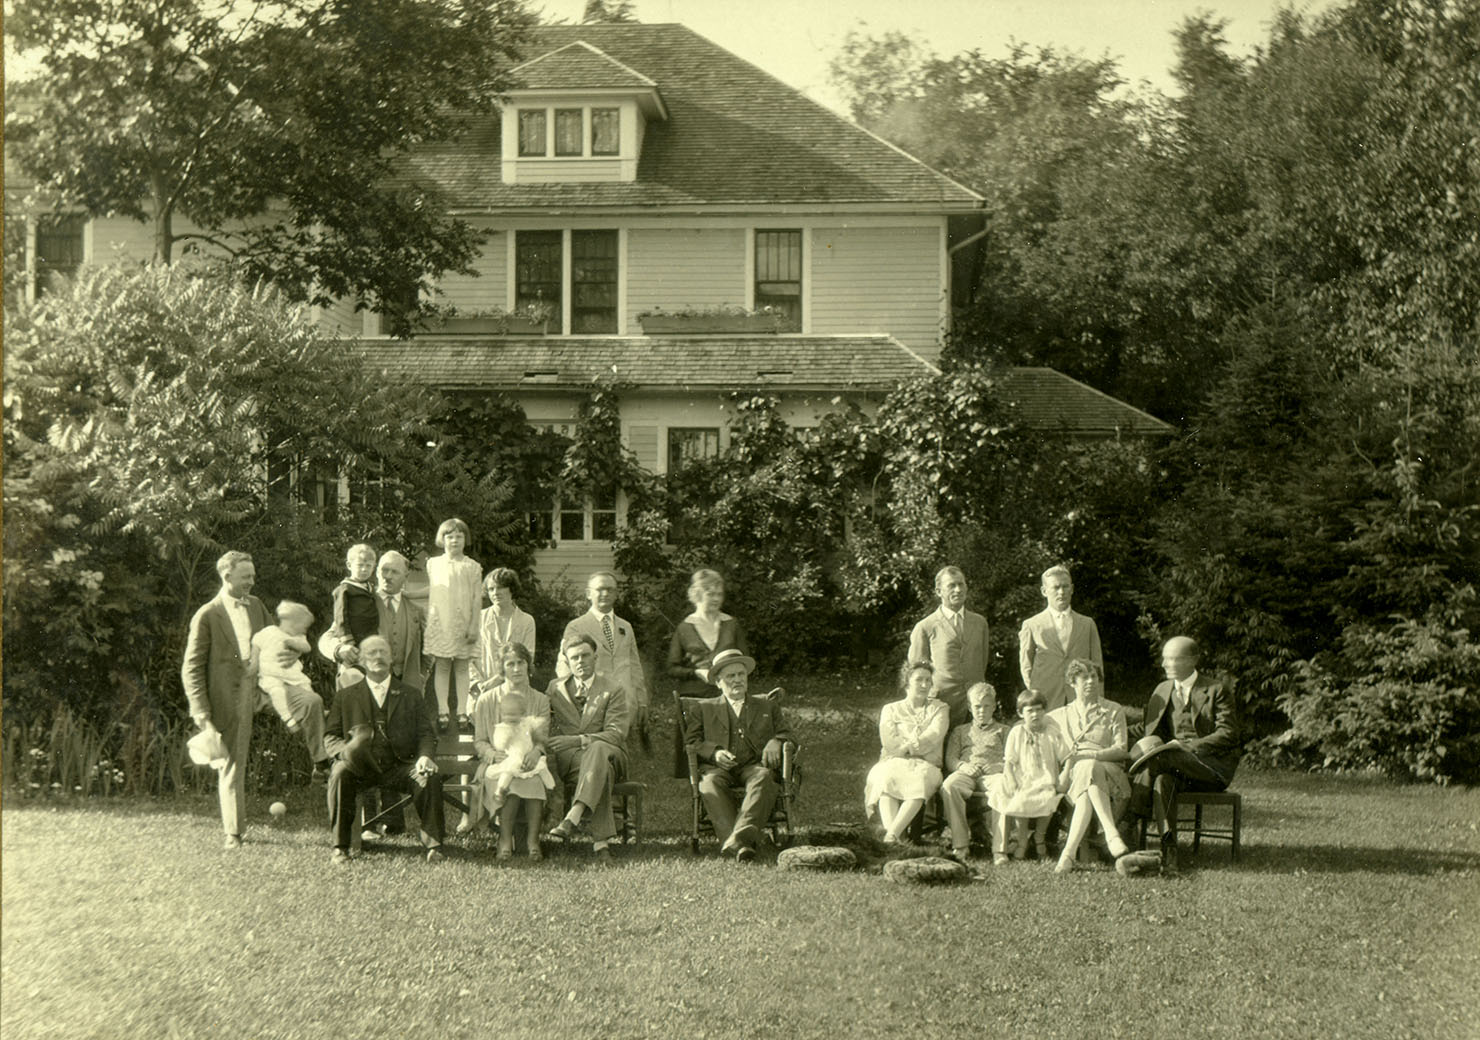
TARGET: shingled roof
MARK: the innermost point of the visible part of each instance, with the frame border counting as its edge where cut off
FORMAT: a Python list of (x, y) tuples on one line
[(1049, 401), (734, 136), (866, 362), (1040, 399), (578, 65)]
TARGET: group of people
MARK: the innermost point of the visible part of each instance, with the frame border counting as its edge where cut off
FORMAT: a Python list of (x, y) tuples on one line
[(1066, 757), (381, 729), (1070, 757)]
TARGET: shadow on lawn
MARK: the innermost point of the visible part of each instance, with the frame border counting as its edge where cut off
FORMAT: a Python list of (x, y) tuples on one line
[(1341, 859)]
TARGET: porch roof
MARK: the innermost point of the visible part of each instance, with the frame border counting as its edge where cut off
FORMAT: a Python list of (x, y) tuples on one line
[(1040, 399), (863, 363)]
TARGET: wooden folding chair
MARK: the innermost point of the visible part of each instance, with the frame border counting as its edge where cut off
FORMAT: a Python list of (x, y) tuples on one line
[(782, 823)]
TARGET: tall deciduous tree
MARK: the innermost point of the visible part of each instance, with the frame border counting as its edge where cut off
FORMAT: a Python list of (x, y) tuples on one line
[(269, 131)]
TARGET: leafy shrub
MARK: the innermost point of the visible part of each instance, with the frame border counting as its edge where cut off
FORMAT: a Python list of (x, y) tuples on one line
[(1403, 697)]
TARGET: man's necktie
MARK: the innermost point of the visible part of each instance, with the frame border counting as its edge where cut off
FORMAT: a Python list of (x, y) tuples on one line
[(606, 632), (580, 697)]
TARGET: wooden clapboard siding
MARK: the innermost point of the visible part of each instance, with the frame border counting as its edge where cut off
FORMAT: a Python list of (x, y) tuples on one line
[(572, 562), (879, 279), (490, 288), (341, 319), (556, 171), (643, 440), (673, 268)]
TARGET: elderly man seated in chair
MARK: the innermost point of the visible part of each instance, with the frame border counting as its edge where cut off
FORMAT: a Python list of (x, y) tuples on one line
[(738, 739)]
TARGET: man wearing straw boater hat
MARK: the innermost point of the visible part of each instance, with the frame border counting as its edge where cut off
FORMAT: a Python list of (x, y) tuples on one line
[(738, 739)]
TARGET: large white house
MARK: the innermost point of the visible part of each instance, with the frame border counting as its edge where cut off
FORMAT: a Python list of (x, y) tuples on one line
[(641, 172)]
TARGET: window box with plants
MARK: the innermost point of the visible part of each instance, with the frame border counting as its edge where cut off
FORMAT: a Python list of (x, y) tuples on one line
[(700, 321), (531, 320)]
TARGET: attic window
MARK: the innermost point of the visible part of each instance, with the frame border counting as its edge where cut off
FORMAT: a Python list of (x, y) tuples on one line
[(773, 373), (541, 375), (570, 133)]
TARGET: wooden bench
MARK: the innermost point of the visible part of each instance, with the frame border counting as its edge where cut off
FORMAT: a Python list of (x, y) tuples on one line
[(456, 762)]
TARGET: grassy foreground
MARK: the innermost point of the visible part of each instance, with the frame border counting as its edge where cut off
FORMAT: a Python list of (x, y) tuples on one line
[(1354, 912)]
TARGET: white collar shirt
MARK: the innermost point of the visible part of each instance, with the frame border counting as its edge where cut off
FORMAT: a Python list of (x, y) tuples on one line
[(1063, 624), (1183, 691), (241, 623), (379, 690)]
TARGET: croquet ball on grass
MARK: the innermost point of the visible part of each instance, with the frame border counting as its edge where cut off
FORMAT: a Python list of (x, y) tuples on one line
[(278, 810)]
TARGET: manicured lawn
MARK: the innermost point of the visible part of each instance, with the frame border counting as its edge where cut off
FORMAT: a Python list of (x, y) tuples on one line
[(1355, 911)]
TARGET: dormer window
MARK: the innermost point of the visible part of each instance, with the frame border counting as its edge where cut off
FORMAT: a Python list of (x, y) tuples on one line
[(580, 116), (570, 133)]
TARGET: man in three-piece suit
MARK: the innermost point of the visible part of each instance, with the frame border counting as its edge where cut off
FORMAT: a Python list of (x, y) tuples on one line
[(739, 741), (1051, 639), (402, 622), (587, 746), (1201, 714), (616, 648), (217, 654), (382, 737), (953, 641)]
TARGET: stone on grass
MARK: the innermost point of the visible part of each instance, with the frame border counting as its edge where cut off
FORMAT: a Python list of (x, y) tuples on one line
[(816, 857), (925, 870)]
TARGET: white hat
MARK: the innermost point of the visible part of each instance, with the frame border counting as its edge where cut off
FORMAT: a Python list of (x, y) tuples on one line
[(207, 749)]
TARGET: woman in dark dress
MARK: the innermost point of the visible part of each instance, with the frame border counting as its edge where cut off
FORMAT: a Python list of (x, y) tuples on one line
[(696, 640)]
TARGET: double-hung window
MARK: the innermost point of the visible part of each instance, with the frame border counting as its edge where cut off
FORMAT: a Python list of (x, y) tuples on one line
[(778, 275), (540, 278)]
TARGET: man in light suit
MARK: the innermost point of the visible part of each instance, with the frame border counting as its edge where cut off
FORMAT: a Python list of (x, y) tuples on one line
[(616, 648), (952, 640), (382, 736), (739, 741), (402, 623), (587, 746), (1051, 639), (1200, 713), (217, 654)]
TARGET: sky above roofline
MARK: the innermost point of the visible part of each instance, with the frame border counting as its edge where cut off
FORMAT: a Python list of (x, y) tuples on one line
[(795, 39)]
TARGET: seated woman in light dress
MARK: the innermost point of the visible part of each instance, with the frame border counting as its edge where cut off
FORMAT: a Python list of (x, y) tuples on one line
[(511, 724), (1094, 774), (912, 732)]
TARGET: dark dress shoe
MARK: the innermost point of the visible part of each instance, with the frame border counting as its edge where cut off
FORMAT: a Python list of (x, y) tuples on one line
[(562, 831), (603, 857), (233, 841), (745, 854)]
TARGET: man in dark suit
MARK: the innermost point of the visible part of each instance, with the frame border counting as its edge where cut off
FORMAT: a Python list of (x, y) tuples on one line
[(217, 654), (1200, 713), (402, 623), (589, 718), (738, 738), (381, 735)]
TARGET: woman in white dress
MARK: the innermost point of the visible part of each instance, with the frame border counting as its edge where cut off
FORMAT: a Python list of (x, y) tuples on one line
[(502, 623), (913, 734)]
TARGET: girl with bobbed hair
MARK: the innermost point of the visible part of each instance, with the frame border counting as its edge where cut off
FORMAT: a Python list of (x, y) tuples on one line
[(453, 598)]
